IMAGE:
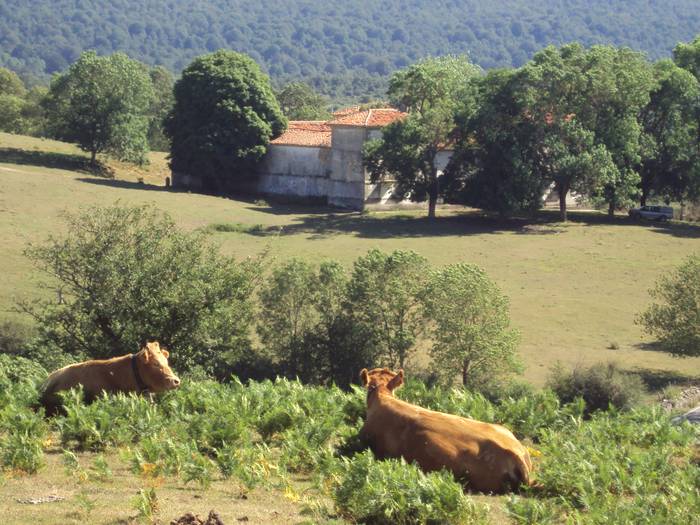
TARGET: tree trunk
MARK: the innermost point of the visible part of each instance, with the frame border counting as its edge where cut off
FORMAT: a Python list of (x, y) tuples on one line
[(465, 372), (434, 189), (682, 211), (432, 202), (93, 155), (645, 194), (611, 208), (562, 202)]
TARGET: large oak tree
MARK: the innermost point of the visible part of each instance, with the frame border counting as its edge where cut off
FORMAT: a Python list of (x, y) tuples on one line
[(225, 115)]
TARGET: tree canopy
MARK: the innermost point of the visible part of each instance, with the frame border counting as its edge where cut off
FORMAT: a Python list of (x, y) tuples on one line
[(121, 275), (224, 116), (102, 103), (567, 120), (314, 40), (469, 326), (430, 91), (299, 101)]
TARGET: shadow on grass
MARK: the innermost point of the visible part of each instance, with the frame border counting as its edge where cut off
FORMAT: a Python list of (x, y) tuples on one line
[(321, 223), (656, 380), (62, 161), (125, 185)]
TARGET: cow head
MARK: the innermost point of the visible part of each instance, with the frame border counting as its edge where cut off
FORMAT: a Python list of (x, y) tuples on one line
[(154, 369), (381, 379)]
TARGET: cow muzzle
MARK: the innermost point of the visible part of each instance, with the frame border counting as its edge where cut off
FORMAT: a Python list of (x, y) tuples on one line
[(173, 382)]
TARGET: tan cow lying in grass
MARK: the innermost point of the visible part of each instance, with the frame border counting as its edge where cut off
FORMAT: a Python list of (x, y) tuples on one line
[(147, 370), (488, 458)]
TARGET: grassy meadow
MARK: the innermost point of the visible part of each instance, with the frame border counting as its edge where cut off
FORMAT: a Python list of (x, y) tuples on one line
[(575, 288)]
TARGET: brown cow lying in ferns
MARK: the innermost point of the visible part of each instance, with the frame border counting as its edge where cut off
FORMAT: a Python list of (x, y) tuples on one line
[(147, 370), (486, 457)]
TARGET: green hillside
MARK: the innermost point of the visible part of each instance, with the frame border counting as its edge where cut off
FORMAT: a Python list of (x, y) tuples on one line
[(574, 288), (344, 48)]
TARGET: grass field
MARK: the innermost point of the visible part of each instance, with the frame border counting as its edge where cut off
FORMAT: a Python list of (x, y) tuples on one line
[(575, 288)]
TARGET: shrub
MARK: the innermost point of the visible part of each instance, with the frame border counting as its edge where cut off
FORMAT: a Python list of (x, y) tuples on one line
[(383, 295), (634, 467), (675, 318), (469, 327), (600, 386), (394, 492), (19, 380), (22, 433), (125, 274), (14, 337)]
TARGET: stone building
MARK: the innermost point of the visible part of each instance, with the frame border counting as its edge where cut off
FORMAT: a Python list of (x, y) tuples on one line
[(322, 161)]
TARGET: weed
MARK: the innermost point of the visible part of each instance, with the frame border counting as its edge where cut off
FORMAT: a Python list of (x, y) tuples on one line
[(146, 504)]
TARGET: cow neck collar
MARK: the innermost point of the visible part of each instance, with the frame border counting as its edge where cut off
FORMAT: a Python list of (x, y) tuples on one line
[(137, 376)]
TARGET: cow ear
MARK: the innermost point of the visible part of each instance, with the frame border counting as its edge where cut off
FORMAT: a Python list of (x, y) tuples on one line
[(396, 381), (165, 353), (364, 377)]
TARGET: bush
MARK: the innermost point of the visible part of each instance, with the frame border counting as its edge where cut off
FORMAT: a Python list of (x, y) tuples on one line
[(14, 337), (600, 386), (469, 327), (308, 326), (394, 492), (22, 433), (126, 274), (675, 319)]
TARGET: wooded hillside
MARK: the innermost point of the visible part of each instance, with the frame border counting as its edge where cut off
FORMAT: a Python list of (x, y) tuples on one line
[(344, 49)]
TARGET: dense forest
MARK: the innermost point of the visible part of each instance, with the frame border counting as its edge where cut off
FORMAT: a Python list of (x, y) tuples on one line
[(344, 49)]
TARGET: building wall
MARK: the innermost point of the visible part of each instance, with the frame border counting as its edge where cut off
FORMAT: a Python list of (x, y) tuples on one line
[(334, 175), (347, 178), (295, 171)]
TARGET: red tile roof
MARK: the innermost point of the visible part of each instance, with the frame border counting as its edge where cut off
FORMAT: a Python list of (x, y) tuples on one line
[(371, 118), (315, 133)]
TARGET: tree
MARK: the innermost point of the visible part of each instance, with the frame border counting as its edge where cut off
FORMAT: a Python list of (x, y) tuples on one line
[(299, 101), (674, 317), (11, 107), (469, 326), (288, 315), (101, 103), (224, 116), (494, 162), (408, 149), (123, 274), (600, 91), (12, 92), (670, 165), (567, 119), (11, 84), (308, 327), (687, 56), (383, 298), (161, 105)]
